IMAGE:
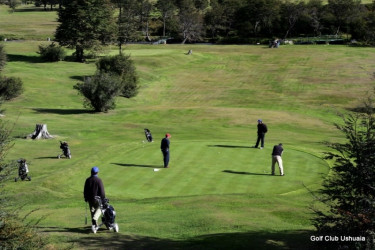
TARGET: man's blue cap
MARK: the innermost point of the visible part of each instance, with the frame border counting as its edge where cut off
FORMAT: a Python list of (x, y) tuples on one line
[(259, 120), (95, 169)]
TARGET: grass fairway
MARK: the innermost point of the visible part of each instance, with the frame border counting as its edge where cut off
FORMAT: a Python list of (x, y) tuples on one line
[(218, 193)]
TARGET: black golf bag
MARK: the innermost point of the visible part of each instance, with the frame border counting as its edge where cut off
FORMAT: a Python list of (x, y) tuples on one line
[(148, 135), (108, 215), (23, 170), (65, 149)]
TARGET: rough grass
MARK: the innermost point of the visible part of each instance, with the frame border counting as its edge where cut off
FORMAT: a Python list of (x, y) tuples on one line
[(27, 23), (218, 192)]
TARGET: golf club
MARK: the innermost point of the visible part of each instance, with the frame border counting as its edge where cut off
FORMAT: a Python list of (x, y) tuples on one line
[(86, 215)]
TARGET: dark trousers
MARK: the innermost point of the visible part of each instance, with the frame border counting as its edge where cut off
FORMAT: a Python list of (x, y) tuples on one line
[(165, 157), (260, 139)]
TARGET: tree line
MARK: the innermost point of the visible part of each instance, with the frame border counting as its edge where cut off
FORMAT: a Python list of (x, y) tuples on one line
[(234, 21)]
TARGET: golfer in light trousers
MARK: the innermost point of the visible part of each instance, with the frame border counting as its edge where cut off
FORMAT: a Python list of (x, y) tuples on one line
[(276, 157)]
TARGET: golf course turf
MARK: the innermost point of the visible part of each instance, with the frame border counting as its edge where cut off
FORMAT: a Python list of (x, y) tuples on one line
[(218, 192)]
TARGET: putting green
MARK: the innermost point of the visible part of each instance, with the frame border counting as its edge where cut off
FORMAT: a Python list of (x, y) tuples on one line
[(201, 167)]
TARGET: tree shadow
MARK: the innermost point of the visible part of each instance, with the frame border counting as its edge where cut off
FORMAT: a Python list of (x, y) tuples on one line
[(80, 230), (23, 58), (262, 240), (34, 9), (229, 146), (78, 78), (64, 111), (246, 173), (362, 109), (137, 165)]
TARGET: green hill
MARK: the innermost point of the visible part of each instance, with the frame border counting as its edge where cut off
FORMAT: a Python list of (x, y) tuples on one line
[(218, 193)]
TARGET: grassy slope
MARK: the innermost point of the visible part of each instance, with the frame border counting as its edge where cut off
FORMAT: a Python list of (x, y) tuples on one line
[(217, 193)]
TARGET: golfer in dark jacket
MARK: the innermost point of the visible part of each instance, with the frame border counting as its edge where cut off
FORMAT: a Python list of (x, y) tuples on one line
[(276, 157), (94, 193), (164, 146), (262, 130)]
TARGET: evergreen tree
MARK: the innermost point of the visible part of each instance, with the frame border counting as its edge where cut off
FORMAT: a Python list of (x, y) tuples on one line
[(3, 57), (84, 23), (349, 191)]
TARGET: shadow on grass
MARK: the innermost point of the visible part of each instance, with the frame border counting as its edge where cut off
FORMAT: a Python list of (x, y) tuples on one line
[(47, 157), (137, 165), (78, 78), (262, 240), (247, 173), (229, 146), (30, 9), (64, 111), (23, 58)]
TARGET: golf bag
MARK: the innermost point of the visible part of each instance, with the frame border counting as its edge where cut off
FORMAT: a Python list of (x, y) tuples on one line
[(108, 215), (23, 170), (65, 149), (148, 135)]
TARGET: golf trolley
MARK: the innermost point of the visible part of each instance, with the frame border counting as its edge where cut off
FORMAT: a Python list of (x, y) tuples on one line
[(108, 216), (22, 171), (148, 135), (65, 150)]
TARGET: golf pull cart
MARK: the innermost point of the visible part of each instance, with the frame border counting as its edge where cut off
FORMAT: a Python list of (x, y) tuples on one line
[(23, 170), (65, 150), (108, 216)]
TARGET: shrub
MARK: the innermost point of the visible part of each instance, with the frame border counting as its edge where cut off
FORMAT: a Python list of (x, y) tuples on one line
[(122, 66), (52, 52), (3, 57), (100, 91), (348, 192), (14, 234), (10, 87)]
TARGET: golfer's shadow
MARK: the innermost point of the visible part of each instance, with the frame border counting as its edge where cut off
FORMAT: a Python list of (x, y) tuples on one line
[(137, 165), (245, 173), (47, 157), (229, 146)]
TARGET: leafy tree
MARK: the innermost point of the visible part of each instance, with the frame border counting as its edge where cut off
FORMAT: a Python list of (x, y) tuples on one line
[(225, 12), (258, 17), (363, 29), (3, 57), (349, 191), (167, 9), (83, 23), (146, 7), (343, 11), (191, 21), (128, 21), (291, 13), (100, 91), (124, 68), (314, 12), (214, 20), (13, 4)]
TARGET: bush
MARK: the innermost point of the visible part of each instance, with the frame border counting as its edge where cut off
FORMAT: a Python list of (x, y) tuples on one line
[(122, 66), (100, 91), (10, 87), (52, 52), (3, 57), (14, 234)]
